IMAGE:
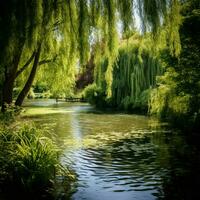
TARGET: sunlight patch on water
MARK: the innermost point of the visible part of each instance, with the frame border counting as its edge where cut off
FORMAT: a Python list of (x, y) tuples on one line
[(44, 111)]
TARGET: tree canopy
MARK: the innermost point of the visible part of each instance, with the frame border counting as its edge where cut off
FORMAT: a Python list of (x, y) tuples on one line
[(35, 32)]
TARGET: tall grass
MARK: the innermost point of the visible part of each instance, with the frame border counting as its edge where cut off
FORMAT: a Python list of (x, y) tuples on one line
[(29, 162)]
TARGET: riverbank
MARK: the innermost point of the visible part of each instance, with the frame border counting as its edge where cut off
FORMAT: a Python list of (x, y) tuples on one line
[(118, 155), (30, 166)]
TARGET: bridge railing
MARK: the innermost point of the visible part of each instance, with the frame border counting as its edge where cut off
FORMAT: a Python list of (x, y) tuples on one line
[(71, 99)]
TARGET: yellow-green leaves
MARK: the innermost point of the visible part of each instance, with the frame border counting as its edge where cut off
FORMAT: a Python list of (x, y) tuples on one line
[(130, 74), (174, 21), (83, 31)]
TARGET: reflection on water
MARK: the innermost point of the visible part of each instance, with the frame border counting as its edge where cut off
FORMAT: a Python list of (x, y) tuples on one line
[(119, 156)]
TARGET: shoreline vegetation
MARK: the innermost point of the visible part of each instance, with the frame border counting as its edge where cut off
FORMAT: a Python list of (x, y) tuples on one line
[(30, 166)]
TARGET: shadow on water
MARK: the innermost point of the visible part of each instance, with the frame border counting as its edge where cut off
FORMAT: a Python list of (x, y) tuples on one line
[(119, 156), (151, 167)]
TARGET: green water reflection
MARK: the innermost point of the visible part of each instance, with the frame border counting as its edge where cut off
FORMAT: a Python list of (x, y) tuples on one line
[(120, 156)]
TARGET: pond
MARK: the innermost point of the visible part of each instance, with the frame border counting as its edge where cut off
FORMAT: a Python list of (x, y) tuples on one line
[(120, 156)]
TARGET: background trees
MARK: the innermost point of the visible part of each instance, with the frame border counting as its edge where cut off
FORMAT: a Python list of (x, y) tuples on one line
[(32, 31), (134, 75)]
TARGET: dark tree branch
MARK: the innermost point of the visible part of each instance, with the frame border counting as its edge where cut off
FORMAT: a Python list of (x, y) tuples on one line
[(31, 77), (56, 24), (26, 65), (47, 61)]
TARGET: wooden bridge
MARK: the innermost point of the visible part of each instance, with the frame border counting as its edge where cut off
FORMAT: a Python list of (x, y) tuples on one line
[(71, 99)]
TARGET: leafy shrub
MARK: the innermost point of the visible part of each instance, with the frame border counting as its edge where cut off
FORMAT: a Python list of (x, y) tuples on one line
[(40, 87), (95, 96)]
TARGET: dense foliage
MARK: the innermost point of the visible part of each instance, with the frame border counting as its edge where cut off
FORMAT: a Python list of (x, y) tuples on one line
[(177, 97), (134, 75), (59, 34), (136, 80)]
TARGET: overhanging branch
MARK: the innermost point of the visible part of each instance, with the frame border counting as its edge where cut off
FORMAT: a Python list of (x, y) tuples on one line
[(47, 61), (26, 65)]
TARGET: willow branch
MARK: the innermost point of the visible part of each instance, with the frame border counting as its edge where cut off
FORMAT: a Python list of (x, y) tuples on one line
[(25, 65), (47, 61), (71, 19)]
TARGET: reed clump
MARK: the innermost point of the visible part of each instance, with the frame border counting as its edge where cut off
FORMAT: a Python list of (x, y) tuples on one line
[(30, 162)]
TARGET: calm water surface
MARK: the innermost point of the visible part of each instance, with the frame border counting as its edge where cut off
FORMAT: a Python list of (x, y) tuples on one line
[(120, 156)]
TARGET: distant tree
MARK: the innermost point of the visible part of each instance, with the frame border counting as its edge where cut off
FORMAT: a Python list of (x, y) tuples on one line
[(86, 76)]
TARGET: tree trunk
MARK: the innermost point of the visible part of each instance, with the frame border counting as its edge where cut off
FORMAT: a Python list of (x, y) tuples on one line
[(30, 80), (9, 79), (8, 88)]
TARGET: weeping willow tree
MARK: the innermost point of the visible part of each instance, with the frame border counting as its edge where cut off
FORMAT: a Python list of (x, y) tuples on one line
[(134, 74), (36, 31), (31, 27)]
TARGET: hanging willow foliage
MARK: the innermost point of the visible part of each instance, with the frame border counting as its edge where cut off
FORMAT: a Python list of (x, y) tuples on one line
[(69, 28), (134, 73)]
